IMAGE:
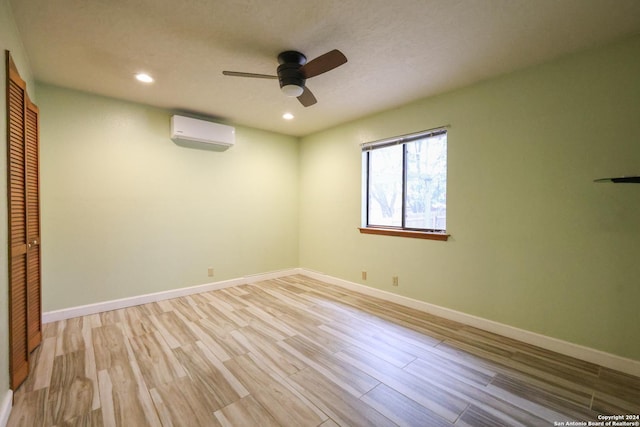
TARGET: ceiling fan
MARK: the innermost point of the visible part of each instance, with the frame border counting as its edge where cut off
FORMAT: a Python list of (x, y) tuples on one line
[(294, 70)]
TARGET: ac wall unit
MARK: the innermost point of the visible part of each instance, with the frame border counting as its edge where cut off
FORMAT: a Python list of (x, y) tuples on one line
[(197, 133)]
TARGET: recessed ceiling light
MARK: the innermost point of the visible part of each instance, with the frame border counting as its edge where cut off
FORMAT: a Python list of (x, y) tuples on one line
[(287, 116), (144, 78)]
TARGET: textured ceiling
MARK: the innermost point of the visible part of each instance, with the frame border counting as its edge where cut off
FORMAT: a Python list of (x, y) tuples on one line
[(398, 50)]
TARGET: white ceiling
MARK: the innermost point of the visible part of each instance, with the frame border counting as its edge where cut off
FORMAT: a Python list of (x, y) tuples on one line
[(398, 50)]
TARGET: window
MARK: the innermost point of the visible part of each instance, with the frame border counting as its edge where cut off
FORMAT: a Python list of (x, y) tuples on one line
[(405, 185)]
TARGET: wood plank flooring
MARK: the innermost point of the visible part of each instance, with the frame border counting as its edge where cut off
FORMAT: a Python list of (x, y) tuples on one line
[(298, 352)]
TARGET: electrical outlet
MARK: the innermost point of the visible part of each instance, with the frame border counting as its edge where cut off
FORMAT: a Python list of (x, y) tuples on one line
[(364, 275), (210, 272), (394, 281)]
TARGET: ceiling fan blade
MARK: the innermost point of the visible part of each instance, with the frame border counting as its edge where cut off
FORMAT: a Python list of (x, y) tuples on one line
[(252, 75), (323, 63), (307, 99)]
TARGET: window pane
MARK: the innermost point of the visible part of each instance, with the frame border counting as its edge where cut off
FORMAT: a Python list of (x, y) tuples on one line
[(385, 186), (426, 193)]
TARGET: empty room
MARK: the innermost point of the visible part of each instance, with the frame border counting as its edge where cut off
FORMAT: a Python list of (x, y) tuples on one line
[(329, 213)]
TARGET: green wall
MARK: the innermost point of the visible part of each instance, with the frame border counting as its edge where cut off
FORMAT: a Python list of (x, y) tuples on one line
[(534, 242), (9, 40), (126, 211)]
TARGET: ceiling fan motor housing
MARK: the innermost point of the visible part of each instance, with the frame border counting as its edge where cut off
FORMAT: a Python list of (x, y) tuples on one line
[(289, 69)]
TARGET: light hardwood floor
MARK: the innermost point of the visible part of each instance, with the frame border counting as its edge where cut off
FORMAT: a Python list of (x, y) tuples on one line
[(298, 352)]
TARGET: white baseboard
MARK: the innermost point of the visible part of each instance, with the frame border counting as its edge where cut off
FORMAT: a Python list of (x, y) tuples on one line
[(587, 354), (5, 408), (84, 310)]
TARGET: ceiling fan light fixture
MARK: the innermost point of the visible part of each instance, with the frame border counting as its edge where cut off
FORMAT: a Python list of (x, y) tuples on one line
[(292, 90)]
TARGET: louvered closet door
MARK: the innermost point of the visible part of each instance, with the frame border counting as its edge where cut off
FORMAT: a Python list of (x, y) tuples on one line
[(31, 150), (24, 226), (16, 98)]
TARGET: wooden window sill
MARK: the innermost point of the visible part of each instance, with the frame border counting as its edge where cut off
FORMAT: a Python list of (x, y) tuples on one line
[(404, 233)]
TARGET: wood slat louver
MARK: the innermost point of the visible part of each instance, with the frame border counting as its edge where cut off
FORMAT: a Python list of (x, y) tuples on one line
[(24, 225), (33, 225), (19, 362)]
